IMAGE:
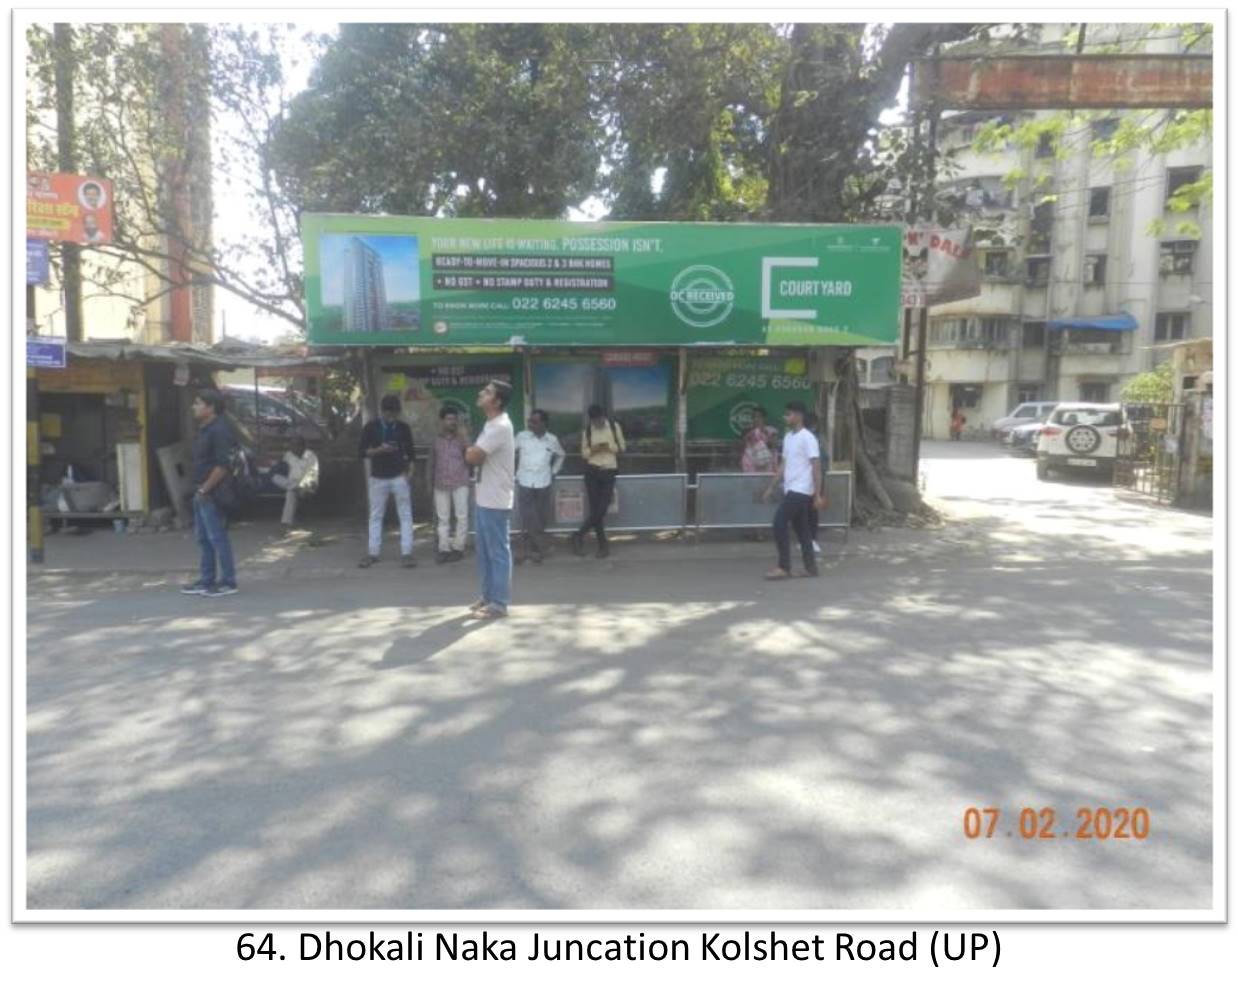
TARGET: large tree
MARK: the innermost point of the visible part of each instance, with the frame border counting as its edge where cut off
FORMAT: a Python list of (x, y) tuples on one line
[(466, 120), (178, 119)]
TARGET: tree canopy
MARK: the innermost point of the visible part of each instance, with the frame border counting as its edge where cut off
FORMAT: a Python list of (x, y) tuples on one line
[(658, 121)]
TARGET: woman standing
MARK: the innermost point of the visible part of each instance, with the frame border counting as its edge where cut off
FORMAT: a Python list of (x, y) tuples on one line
[(600, 445), (759, 445)]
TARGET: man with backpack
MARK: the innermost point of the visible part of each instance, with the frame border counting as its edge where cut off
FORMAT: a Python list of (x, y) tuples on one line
[(213, 448), (600, 445)]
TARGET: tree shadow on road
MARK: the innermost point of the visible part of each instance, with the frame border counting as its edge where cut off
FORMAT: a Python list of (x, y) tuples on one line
[(648, 738)]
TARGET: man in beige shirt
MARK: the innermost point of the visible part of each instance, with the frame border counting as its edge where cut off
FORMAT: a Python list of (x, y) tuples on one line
[(600, 445)]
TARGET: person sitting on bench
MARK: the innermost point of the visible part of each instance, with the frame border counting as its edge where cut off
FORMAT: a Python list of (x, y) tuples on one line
[(297, 475)]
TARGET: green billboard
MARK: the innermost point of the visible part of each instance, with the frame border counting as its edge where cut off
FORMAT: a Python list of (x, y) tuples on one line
[(372, 280)]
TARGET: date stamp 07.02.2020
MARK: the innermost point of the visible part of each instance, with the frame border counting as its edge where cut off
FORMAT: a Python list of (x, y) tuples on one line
[(1043, 823)]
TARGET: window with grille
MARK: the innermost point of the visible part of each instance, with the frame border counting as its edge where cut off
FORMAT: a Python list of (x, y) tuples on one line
[(1033, 337), (1094, 269), (1178, 257), (1098, 203), (996, 263), (1096, 392), (1038, 271), (1180, 176), (1172, 326), (1104, 129)]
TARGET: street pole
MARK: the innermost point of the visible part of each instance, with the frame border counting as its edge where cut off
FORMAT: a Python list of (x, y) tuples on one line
[(922, 331), (70, 253), (34, 444)]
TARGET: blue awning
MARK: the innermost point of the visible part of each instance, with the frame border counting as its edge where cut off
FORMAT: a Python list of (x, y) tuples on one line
[(1121, 322)]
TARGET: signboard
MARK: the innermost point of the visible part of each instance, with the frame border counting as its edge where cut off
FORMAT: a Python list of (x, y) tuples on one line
[(938, 266), (723, 392), (46, 352), (65, 207), (425, 389), (38, 262), (450, 282)]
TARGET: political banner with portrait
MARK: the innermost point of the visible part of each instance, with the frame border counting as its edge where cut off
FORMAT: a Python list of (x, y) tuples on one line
[(66, 207)]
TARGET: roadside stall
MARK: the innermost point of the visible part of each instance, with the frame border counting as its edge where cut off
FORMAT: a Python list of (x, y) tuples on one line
[(680, 331), (104, 419)]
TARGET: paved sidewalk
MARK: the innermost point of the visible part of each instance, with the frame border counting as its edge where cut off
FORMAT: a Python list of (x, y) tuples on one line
[(331, 548)]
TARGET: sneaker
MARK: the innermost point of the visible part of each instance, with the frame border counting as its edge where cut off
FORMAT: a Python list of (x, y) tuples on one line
[(367, 560), (490, 611), (219, 590), (408, 560), (478, 605), (197, 588), (816, 548)]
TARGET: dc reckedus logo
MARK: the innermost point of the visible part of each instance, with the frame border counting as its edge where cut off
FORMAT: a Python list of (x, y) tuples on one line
[(702, 296)]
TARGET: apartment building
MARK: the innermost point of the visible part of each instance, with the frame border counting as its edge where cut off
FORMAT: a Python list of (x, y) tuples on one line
[(157, 301), (1085, 268)]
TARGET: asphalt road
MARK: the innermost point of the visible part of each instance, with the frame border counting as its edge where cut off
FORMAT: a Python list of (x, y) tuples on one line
[(649, 733)]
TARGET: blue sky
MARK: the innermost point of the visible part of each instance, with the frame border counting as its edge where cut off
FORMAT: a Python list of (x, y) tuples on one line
[(401, 269)]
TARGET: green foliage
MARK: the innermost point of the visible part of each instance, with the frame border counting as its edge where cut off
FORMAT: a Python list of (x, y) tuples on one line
[(1152, 386), (478, 120), (659, 121)]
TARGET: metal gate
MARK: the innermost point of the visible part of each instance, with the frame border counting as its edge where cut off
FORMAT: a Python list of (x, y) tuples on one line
[(1150, 452)]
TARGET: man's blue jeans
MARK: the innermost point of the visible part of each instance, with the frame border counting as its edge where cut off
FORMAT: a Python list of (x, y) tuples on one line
[(212, 530), (494, 555)]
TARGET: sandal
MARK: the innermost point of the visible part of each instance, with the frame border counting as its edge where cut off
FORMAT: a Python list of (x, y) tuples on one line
[(776, 574), (477, 606)]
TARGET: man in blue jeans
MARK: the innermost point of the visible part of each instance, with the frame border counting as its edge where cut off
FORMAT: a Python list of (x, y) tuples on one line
[(803, 490), (212, 469), (494, 454)]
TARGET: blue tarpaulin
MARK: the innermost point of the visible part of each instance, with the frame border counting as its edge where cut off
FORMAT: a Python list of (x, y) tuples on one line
[(1121, 322)]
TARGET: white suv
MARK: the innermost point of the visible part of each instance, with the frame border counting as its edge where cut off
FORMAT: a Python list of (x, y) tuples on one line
[(1025, 414), (1080, 436)]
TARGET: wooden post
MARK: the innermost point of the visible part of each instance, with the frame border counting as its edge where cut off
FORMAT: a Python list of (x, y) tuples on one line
[(71, 254), (921, 350)]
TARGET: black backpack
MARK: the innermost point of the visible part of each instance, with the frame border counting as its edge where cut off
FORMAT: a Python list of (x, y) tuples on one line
[(242, 483)]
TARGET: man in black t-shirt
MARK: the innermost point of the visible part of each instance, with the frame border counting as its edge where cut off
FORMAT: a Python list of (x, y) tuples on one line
[(388, 444), (212, 469)]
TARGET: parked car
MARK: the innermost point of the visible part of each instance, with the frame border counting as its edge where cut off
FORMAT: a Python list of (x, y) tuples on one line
[(1080, 436), (270, 425), (1024, 414), (1022, 439)]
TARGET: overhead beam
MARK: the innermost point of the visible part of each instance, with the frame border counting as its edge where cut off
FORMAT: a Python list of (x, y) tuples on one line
[(1070, 82)]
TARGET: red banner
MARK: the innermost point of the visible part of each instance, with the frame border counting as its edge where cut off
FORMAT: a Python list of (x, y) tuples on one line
[(64, 207)]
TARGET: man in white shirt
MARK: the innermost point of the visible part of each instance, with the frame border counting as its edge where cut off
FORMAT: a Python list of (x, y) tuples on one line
[(539, 455), (495, 454), (803, 490), (298, 476)]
